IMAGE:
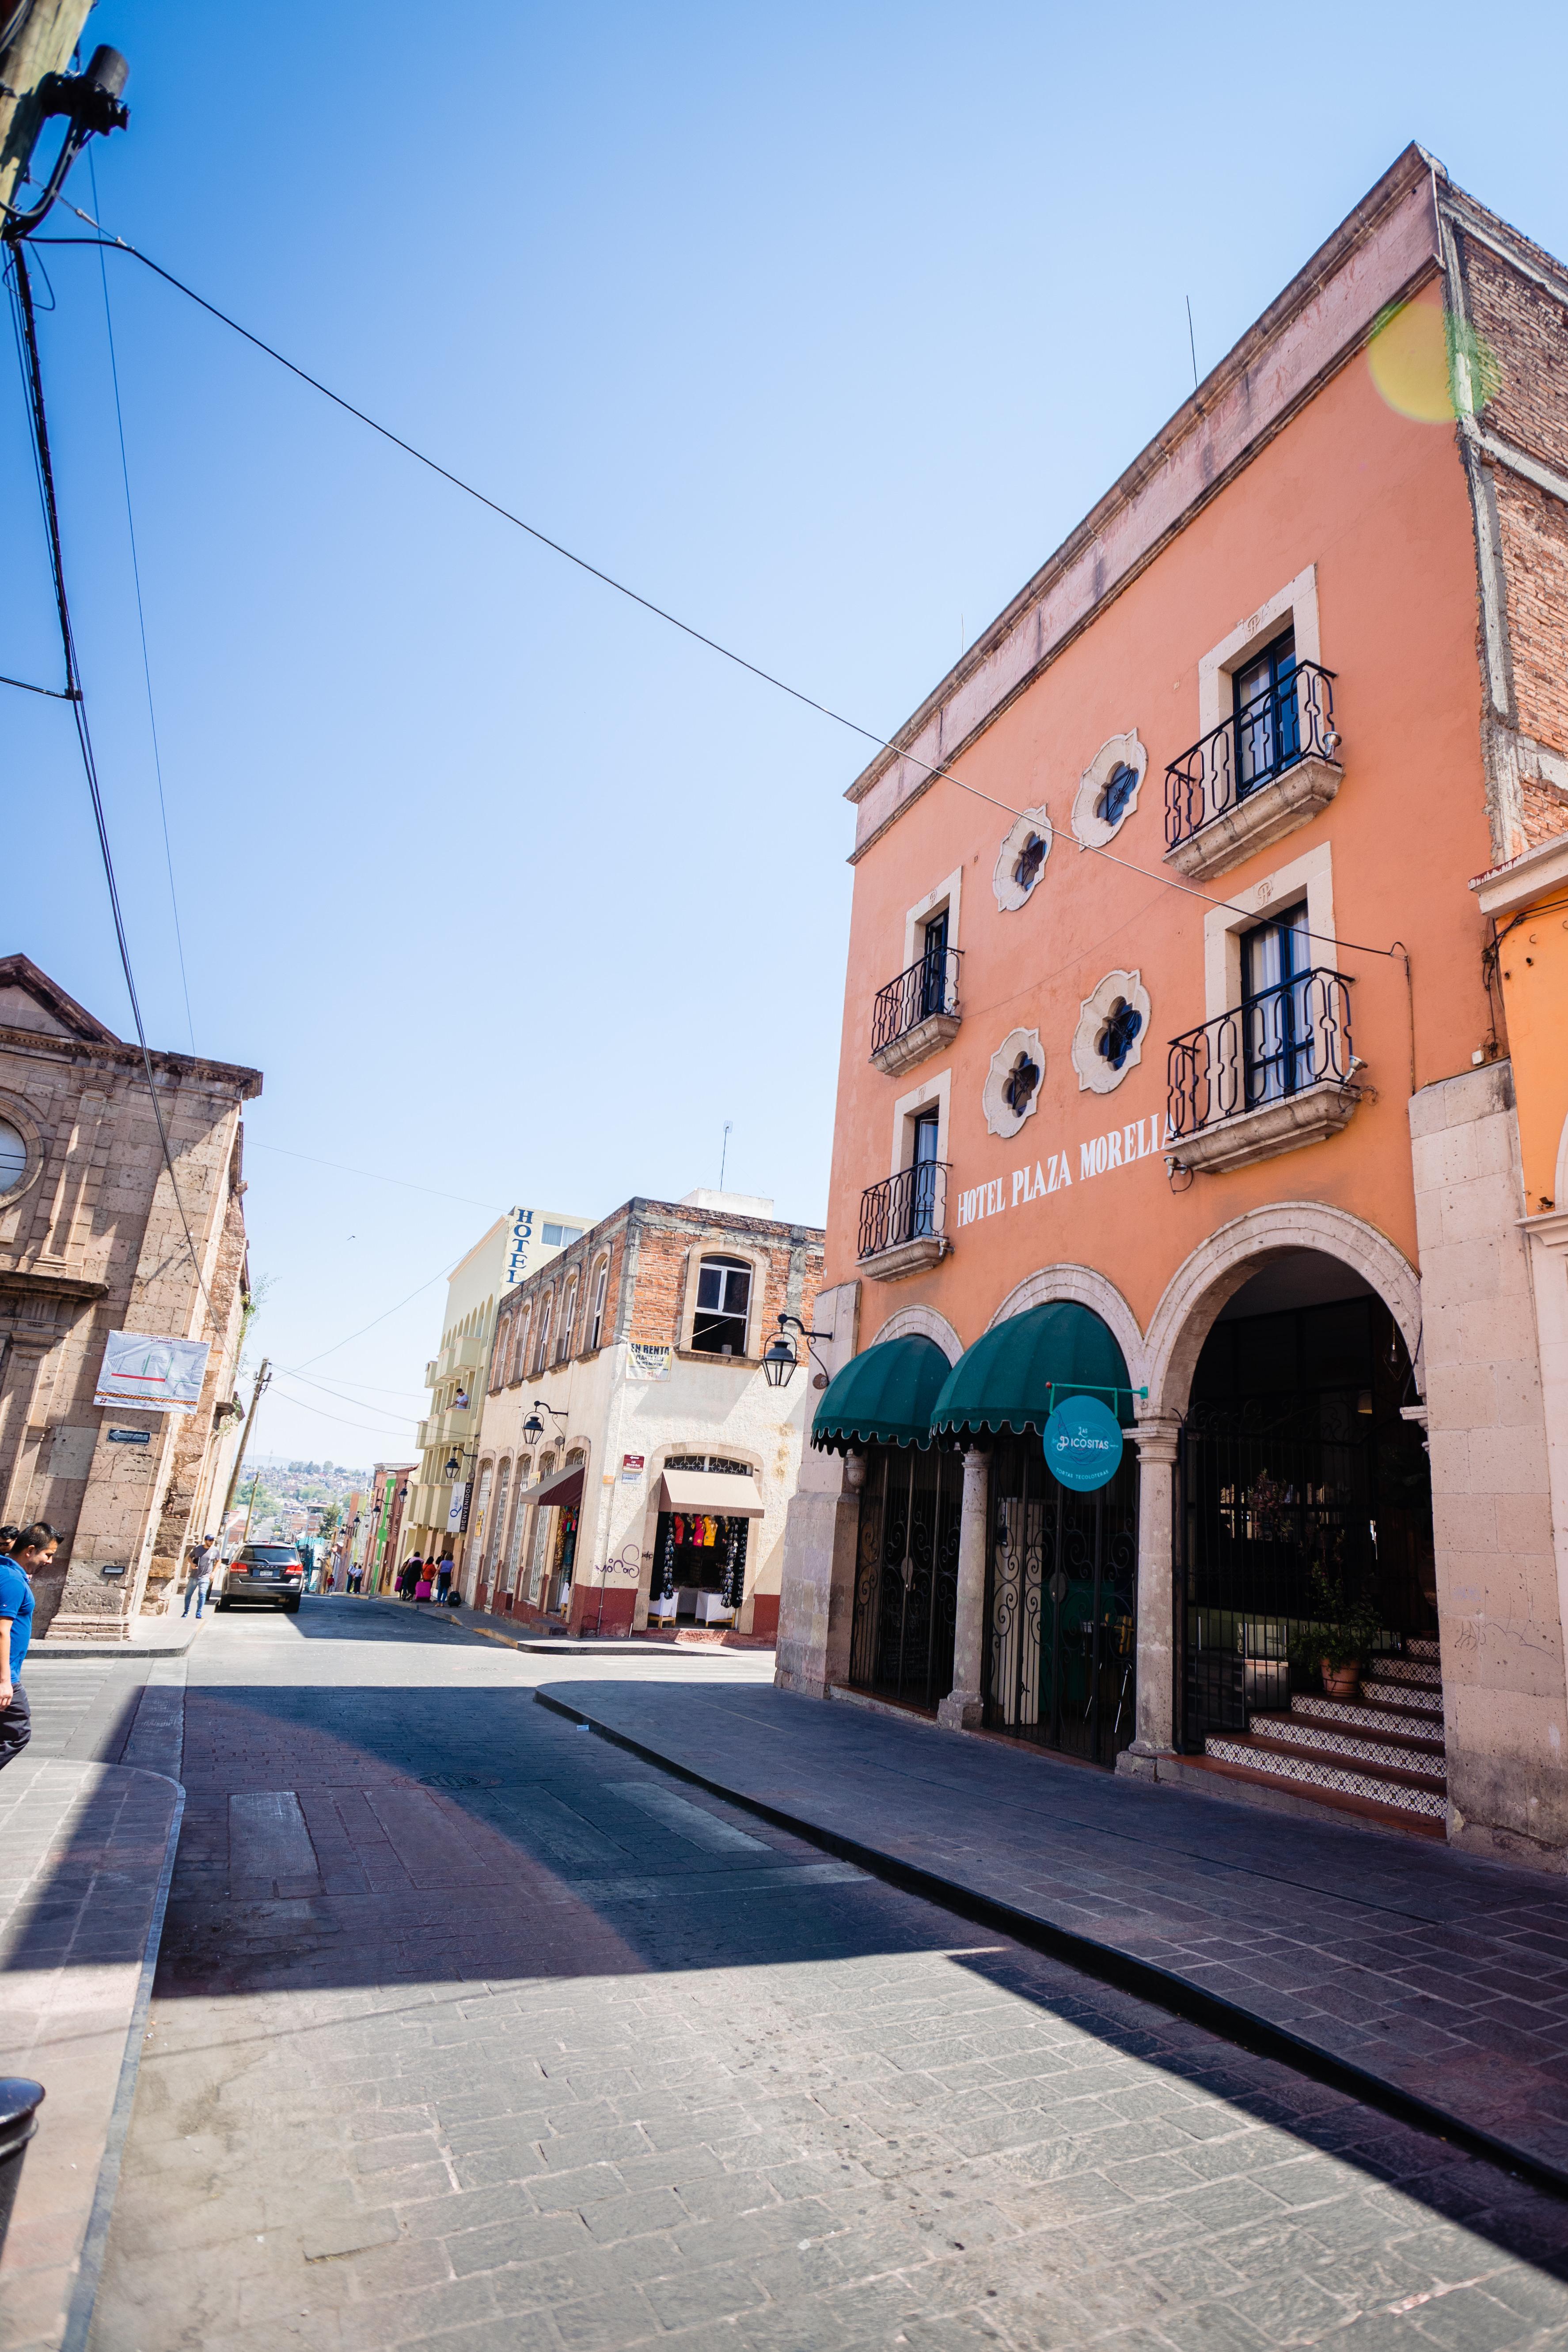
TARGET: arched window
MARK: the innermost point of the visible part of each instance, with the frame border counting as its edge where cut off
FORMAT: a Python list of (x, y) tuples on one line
[(541, 1352), (724, 1303), (568, 1316), (500, 1351), (520, 1342), (498, 1524), (601, 1290)]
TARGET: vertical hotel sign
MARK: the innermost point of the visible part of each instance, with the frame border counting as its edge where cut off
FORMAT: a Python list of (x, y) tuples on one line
[(520, 1247)]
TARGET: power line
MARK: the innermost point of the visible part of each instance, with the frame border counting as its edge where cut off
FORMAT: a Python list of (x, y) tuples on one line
[(344, 1397), (32, 371), (376, 1175), (382, 1318), (106, 240), (142, 621)]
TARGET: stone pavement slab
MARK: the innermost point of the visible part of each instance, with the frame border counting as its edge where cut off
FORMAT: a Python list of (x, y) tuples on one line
[(643, 2070), (1441, 1976), (86, 1850)]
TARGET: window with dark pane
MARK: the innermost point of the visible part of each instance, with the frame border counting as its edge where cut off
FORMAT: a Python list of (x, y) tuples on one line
[(1123, 1026), (1030, 860), (1117, 790), (724, 1299)]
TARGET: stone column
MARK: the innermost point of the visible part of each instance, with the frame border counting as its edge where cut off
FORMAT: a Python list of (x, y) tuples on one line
[(21, 1434), (1157, 1440), (964, 1706)]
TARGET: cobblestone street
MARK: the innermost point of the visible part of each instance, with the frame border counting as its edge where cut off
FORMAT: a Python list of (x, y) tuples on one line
[(471, 2031)]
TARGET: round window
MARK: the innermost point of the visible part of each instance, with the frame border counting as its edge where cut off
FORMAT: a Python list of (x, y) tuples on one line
[(13, 1158)]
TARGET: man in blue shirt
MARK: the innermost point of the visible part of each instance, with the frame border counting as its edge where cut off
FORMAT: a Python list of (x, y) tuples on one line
[(33, 1549)]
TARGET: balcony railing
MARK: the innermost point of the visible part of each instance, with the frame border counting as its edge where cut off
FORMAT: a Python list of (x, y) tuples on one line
[(929, 986), (1271, 1046), (908, 1207), (1290, 721)]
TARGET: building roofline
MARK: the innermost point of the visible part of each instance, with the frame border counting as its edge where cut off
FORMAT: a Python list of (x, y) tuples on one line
[(1196, 415), (85, 1029)]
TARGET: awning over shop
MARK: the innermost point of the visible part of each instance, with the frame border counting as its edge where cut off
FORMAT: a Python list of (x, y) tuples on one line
[(722, 1493), (883, 1396), (562, 1486), (1019, 1373)]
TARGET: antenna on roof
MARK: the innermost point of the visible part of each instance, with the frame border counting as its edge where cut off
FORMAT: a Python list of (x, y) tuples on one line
[(724, 1155), (1191, 342)]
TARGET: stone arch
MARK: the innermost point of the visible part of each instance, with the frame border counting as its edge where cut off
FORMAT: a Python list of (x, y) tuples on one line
[(1217, 1268), (1088, 1288), (922, 1322)]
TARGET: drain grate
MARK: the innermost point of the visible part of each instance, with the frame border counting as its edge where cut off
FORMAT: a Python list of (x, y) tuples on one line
[(458, 1780)]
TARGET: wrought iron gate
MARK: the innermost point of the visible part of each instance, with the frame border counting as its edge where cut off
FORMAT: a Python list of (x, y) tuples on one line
[(1061, 1586), (1298, 1503), (905, 1578)]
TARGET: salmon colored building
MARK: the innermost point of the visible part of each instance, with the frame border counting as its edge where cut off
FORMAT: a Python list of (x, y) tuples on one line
[(1175, 1076)]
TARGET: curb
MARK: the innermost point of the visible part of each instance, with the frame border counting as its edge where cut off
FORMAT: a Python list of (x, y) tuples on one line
[(1225, 2019), (178, 1648), (546, 1646), (90, 2272)]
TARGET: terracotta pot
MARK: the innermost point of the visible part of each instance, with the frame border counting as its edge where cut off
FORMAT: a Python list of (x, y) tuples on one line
[(1341, 1682)]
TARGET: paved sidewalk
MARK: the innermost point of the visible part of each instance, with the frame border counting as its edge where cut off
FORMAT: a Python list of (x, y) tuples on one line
[(88, 1849), (1442, 1977)]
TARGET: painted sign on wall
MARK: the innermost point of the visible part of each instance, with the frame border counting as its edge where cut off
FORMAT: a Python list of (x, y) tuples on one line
[(520, 1246), (1119, 1147)]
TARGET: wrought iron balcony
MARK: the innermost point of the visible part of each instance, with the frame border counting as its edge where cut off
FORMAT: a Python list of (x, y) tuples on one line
[(1277, 1072), (1257, 776), (916, 1012), (902, 1220)]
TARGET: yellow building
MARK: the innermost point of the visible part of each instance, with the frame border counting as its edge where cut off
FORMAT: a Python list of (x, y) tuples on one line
[(516, 1245)]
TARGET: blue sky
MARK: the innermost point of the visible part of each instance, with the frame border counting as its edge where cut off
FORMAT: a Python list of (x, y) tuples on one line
[(821, 326)]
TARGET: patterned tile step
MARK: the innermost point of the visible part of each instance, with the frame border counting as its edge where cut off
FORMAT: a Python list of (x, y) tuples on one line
[(1424, 1671), (1421, 1647), (1420, 1722), (1317, 1774), (1413, 1754), (1412, 1694)]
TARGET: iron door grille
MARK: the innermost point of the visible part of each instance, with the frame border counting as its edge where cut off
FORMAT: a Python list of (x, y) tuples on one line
[(905, 1575), (1061, 1589)]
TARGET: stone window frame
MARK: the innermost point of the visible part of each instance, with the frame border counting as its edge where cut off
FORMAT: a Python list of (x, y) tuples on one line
[(1001, 1120), (937, 1089), (564, 1330), (598, 1300), (1294, 606), (1095, 1074), (947, 895), (541, 1339), (17, 1114), (723, 1245), (523, 1324), (1009, 893), (1126, 751), (1311, 877)]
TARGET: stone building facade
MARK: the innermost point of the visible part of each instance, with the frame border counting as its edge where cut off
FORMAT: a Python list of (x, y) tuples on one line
[(626, 1403), (93, 1240), (1223, 1080)]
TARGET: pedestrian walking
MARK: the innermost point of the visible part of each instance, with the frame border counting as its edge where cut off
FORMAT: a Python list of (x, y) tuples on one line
[(409, 1575), (31, 1548), (444, 1579), (201, 1576)]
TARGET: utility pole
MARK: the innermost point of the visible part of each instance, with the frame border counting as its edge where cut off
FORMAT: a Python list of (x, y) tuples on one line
[(262, 1377), (36, 38)]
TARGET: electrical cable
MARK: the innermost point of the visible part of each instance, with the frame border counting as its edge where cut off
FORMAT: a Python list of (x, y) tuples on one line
[(26, 330), (344, 1397), (375, 1174), (55, 693), (371, 1326), (142, 622), (106, 240), (308, 1405)]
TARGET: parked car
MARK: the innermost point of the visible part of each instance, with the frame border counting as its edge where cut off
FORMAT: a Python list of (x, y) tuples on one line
[(272, 1572)]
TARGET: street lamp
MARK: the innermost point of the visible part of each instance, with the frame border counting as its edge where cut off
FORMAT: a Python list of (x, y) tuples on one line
[(452, 1467), (779, 1358), (533, 1428)]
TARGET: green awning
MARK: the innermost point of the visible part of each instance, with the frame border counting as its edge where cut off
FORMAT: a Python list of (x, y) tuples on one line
[(882, 1397), (1019, 1373)]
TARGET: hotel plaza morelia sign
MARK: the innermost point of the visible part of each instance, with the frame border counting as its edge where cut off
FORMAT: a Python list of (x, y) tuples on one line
[(1119, 1147)]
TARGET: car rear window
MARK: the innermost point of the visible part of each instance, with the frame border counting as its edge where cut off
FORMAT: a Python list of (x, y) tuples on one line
[(269, 1555)]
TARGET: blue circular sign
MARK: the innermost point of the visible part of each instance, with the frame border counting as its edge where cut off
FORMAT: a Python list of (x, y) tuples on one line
[(1083, 1444)]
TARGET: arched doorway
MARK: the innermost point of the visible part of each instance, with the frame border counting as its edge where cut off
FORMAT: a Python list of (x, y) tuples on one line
[(1303, 1499)]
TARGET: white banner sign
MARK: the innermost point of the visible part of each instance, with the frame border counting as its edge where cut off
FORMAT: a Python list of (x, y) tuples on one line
[(454, 1508), (159, 1375)]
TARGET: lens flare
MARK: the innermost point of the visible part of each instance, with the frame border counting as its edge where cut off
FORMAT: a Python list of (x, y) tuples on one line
[(1429, 366)]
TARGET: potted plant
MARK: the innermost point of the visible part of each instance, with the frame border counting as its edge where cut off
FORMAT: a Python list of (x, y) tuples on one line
[(1340, 1639)]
